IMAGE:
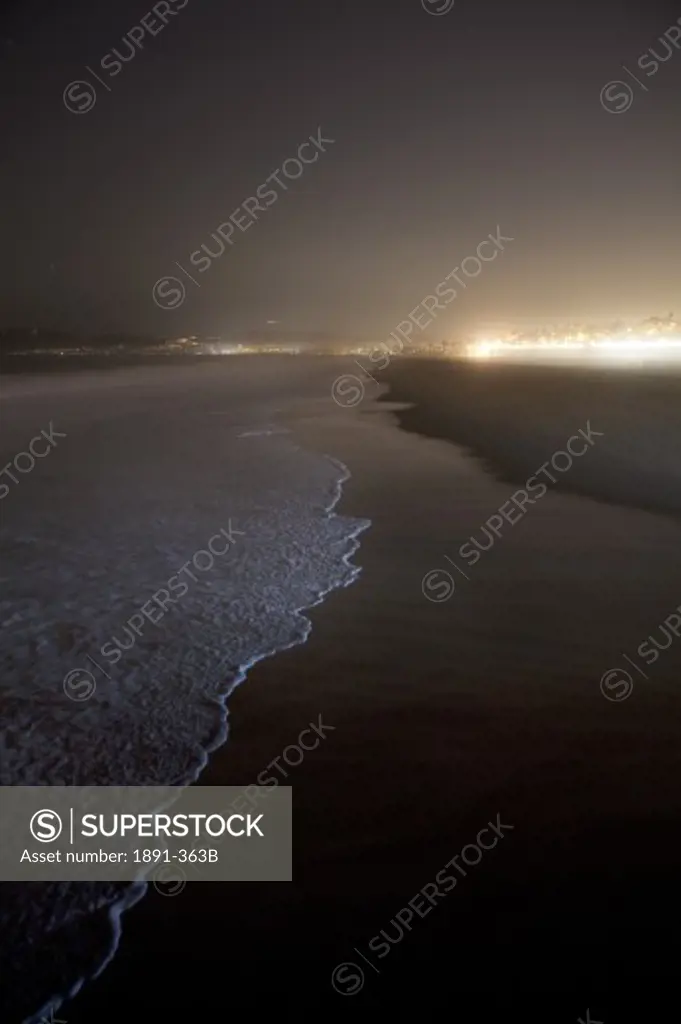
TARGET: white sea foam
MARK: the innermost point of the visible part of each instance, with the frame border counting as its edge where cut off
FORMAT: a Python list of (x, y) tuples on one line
[(138, 486)]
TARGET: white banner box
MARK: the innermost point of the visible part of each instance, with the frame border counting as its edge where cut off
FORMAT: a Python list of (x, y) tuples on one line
[(139, 833)]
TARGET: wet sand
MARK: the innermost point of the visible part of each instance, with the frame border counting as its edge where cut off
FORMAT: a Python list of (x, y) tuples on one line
[(445, 715)]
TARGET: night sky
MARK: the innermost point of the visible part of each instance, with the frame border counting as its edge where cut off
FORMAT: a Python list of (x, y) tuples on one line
[(445, 127)]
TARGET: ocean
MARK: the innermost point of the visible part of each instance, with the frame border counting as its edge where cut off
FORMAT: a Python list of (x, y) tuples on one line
[(455, 690), (173, 490)]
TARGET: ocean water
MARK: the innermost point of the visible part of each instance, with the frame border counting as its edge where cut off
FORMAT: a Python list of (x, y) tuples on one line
[(153, 465), (487, 700)]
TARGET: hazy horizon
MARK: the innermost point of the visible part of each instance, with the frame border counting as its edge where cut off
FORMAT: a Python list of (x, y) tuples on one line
[(431, 134)]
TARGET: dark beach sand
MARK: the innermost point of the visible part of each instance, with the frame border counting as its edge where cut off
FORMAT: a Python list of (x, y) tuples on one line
[(445, 715)]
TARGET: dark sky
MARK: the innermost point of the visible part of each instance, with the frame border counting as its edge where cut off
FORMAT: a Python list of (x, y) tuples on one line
[(445, 127)]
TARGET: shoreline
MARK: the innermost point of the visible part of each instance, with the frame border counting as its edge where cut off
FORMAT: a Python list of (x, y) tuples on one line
[(440, 718), (336, 570), (540, 407)]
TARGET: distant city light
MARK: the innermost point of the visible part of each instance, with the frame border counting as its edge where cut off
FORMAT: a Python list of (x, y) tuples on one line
[(656, 338)]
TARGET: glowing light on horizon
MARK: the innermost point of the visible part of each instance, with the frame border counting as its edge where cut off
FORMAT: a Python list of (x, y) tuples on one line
[(624, 345)]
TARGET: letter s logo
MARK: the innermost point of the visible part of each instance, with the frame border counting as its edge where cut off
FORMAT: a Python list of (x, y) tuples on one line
[(169, 292), (79, 97), (46, 826)]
